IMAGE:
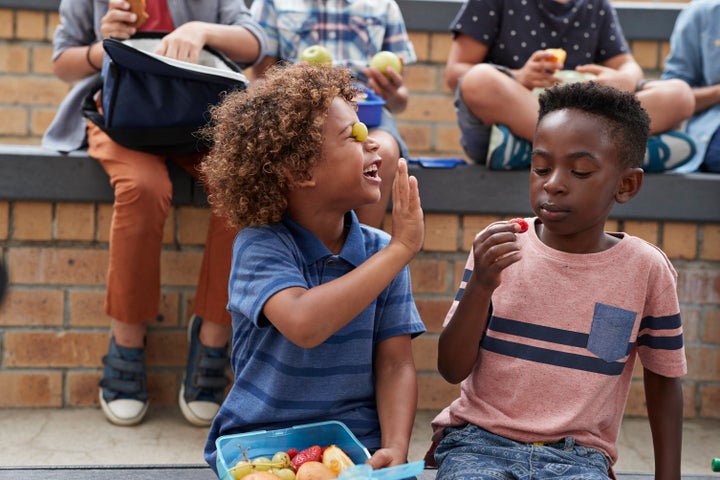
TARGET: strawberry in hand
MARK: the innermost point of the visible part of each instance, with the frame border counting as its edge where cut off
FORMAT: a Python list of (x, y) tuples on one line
[(311, 454), (522, 222)]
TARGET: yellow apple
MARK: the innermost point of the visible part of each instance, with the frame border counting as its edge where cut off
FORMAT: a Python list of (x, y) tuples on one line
[(383, 60), (316, 55)]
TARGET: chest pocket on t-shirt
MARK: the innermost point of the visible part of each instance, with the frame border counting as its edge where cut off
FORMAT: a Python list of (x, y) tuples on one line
[(610, 332)]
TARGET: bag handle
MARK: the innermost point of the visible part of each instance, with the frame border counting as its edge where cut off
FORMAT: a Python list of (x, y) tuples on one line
[(89, 105)]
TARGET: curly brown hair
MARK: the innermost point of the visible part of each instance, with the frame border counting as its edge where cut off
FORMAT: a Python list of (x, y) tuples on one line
[(267, 138)]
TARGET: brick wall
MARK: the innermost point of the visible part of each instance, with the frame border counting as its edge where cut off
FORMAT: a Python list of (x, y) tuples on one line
[(53, 330)]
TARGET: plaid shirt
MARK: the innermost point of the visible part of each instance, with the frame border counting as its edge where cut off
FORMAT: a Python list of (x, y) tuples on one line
[(352, 30)]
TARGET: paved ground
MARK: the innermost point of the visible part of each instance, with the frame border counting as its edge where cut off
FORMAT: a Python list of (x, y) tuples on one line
[(84, 437)]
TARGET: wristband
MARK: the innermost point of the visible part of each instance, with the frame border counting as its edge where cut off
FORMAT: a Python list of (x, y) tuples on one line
[(87, 58)]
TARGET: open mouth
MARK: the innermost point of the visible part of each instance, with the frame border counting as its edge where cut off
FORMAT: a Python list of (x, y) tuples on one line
[(371, 170)]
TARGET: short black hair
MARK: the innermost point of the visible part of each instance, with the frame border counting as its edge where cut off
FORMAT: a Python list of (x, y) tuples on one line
[(626, 120)]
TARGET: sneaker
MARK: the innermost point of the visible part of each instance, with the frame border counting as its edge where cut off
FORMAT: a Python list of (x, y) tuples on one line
[(506, 151), (203, 387), (123, 388), (667, 151)]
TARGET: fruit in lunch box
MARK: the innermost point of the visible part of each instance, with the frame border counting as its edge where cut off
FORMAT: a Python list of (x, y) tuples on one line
[(262, 464), (310, 454), (242, 469), (359, 131), (384, 59), (523, 224), (281, 460), (314, 470), (261, 476), (284, 473), (316, 55), (336, 459)]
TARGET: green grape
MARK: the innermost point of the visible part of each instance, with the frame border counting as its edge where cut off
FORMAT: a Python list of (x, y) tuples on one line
[(241, 469)]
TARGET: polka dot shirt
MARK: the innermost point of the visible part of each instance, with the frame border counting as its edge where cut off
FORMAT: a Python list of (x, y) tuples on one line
[(513, 29)]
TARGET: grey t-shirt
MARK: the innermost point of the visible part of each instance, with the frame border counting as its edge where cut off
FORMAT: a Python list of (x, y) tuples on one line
[(513, 29)]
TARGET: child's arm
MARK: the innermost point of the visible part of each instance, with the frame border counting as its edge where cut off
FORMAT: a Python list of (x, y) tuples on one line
[(396, 394), (663, 396), (309, 317), (494, 249)]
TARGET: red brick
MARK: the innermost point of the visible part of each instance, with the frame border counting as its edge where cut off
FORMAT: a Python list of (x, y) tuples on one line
[(710, 242), (14, 121), (43, 349), (429, 276), (26, 90), (75, 221), (680, 240), (30, 389), (27, 308), (421, 78), (6, 23), (440, 47), (104, 220), (42, 59), (60, 266), (30, 25), (441, 233), (703, 363), (710, 402), (421, 45), (429, 108), (180, 268), (193, 225), (4, 219), (82, 388), (417, 137), (646, 230), (711, 326), (699, 284), (32, 221), (14, 59)]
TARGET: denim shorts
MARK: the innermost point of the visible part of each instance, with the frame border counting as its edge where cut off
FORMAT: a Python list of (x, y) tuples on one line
[(387, 123), (473, 453), (474, 134)]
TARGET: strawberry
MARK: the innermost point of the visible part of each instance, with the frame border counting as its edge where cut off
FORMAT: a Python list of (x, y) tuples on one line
[(522, 222), (292, 452), (311, 454)]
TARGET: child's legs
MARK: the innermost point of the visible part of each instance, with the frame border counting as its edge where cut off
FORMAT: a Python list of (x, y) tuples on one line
[(473, 453), (391, 149), (656, 98), (143, 193), (211, 297), (494, 97)]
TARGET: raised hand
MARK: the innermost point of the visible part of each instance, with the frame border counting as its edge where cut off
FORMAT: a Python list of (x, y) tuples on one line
[(408, 224)]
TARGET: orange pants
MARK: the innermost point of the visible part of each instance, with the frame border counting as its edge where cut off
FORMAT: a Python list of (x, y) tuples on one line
[(143, 192)]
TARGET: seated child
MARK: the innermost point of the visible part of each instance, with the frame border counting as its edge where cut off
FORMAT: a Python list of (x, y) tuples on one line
[(549, 323), (322, 306)]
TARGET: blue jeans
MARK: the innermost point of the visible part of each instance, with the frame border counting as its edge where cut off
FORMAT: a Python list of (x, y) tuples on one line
[(471, 453)]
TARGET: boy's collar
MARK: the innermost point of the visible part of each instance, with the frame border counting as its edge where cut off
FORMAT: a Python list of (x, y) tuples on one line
[(313, 250)]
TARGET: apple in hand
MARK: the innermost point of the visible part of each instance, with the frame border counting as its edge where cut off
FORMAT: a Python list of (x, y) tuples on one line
[(316, 55), (383, 60)]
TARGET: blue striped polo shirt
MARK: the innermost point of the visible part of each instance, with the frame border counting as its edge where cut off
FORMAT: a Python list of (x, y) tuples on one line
[(279, 384)]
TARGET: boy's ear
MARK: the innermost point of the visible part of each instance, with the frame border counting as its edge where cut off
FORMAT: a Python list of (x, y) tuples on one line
[(630, 183)]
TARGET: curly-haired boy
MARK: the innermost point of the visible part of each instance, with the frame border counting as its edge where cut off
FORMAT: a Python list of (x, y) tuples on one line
[(322, 306)]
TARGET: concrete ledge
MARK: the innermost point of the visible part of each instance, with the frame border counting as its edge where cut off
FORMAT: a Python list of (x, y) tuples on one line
[(29, 173)]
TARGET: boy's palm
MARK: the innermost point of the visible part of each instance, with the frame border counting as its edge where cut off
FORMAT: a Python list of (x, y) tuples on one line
[(408, 225)]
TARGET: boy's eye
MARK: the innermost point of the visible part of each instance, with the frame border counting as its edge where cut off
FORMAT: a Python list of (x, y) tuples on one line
[(359, 131)]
